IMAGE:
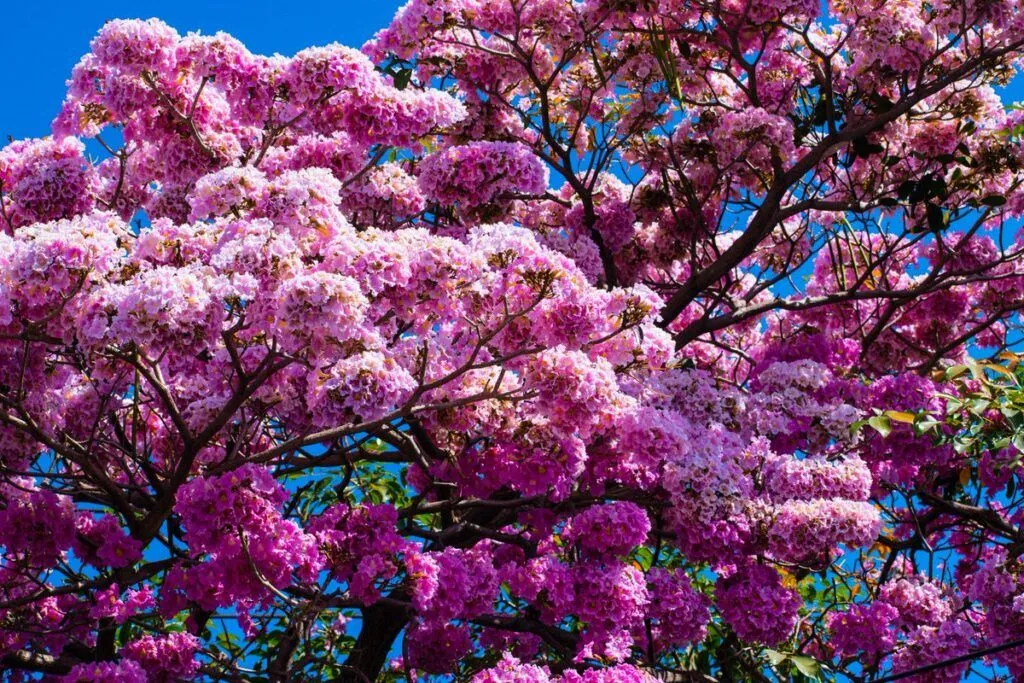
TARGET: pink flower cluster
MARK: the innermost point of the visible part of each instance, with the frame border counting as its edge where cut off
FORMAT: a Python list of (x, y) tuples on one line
[(609, 530), (678, 612), (756, 605), (481, 172), (36, 526), (192, 105), (792, 478), (754, 136), (453, 584), (362, 388), (248, 549), (801, 528), (44, 180), (165, 658), (863, 628), (512, 670), (104, 542), (127, 670), (361, 546)]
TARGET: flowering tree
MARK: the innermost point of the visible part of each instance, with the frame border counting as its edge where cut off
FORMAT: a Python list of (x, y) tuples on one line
[(540, 340)]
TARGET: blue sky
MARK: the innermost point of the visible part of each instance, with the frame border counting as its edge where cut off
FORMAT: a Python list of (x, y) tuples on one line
[(44, 40)]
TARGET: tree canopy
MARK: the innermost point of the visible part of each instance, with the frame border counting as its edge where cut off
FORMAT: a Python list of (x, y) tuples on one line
[(537, 340)]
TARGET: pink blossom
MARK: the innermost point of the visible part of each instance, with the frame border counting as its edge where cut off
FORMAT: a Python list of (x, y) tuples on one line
[(481, 172), (757, 606)]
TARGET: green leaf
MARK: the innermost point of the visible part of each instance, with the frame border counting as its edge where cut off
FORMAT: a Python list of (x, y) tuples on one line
[(993, 200), (644, 557), (900, 416), (375, 445), (961, 447), (925, 425), (1018, 441), (863, 148), (807, 666), (936, 217), (881, 424), (979, 406), (956, 370), (402, 78), (1013, 415)]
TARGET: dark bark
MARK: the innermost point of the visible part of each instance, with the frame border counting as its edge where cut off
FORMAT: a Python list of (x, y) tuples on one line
[(382, 622), (23, 660)]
